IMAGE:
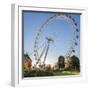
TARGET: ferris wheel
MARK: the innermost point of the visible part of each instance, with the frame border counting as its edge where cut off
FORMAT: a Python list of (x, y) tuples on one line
[(74, 43)]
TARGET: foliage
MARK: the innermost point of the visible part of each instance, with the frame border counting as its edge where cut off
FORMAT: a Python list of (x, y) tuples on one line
[(76, 62), (73, 63), (27, 62), (73, 68), (26, 56), (35, 73), (61, 62)]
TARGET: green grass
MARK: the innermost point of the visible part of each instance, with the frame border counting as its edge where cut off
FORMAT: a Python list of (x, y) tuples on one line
[(42, 73), (66, 73)]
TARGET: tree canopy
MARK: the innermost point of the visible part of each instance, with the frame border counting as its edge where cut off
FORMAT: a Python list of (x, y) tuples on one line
[(61, 62)]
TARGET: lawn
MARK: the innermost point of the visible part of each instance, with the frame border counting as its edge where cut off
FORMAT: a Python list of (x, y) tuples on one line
[(65, 73), (42, 73)]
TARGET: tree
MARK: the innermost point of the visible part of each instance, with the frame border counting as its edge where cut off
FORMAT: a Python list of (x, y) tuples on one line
[(27, 62), (61, 62), (75, 62), (26, 56)]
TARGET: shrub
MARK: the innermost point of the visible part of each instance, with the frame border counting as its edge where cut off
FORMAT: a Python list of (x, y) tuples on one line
[(34, 73)]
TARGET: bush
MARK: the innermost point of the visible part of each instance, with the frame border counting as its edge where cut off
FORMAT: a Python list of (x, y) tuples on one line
[(35, 73)]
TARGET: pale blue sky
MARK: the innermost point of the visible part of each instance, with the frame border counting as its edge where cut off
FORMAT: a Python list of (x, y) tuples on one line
[(59, 30)]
